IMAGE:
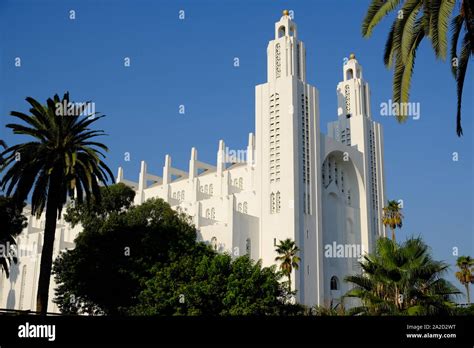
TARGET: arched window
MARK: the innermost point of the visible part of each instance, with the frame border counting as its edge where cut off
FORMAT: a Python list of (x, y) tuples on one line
[(174, 195), (211, 189), (182, 195), (349, 74), (248, 246), (178, 196), (239, 208), (334, 283), (213, 214), (206, 189), (208, 214), (236, 182), (245, 208), (201, 188), (214, 243), (241, 183), (281, 31)]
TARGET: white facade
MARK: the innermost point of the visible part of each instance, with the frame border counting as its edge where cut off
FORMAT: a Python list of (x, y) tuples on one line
[(322, 191)]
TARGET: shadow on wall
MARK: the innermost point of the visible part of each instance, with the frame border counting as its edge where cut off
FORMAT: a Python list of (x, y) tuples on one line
[(11, 298)]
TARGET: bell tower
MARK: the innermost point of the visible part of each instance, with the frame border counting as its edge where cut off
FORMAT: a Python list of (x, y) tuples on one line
[(286, 54), (355, 127), (287, 152)]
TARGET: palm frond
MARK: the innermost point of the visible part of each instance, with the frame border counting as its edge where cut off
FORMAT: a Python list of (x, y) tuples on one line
[(378, 9), (460, 76), (441, 12)]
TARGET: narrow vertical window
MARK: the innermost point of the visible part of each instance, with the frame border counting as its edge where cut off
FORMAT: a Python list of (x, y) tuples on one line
[(248, 246)]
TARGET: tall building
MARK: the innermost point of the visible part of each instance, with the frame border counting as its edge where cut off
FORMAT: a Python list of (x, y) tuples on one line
[(325, 192)]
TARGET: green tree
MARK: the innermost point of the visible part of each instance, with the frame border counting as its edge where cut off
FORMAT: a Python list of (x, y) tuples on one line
[(465, 274), (416, 20), (205, 283), (401, 280), (328, 310), (12, 222), (117, 250), (287, 251), (61, 160), (150, 253), (114, 199), (392, 217)]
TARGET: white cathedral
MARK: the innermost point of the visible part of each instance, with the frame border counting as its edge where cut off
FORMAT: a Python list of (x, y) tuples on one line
[(324, 192)]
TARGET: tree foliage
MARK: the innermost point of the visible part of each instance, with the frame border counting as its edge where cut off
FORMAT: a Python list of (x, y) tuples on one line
[(61, 159), (416, 20), (116, 252), (402, 280), (465, 275), (392, 216), (287, 256), (207, 283), (165, 271)]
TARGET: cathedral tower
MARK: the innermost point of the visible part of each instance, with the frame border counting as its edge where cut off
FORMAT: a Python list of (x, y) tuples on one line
[(287, 152), (355, 127)]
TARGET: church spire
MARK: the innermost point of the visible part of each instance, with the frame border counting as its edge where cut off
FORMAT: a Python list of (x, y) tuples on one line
[(353, 91), (286, 54), (285, 26)]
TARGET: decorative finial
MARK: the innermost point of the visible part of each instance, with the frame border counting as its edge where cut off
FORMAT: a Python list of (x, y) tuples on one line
[(286, 13), (352, 56)]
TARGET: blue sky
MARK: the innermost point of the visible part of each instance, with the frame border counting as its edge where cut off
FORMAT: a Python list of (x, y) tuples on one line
[(190, 62)]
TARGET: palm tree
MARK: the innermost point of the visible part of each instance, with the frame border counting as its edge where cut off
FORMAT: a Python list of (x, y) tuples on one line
[(416, 20), (287, 251), (401, 280), (392, 217), (466, 273), (61, 161), (4, 145)]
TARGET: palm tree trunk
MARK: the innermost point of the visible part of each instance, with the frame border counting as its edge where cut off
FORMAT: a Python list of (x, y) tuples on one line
[(393, 234), (48, 245), (289, 282), (468, 294)]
